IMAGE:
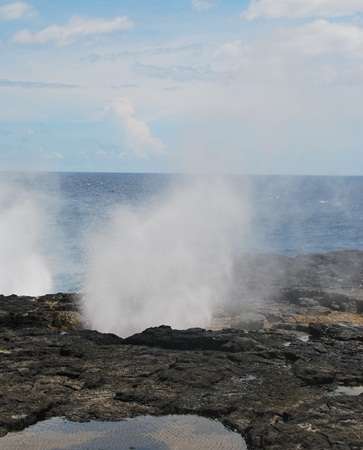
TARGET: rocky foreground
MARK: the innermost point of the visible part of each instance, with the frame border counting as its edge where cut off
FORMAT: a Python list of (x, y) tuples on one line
[(283, 383)]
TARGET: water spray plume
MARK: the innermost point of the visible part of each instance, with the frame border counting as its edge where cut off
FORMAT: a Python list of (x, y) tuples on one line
[(24, 268), (170, 262)]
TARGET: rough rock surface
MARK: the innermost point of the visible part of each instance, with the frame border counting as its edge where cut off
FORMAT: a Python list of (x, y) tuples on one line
[(272, 385)]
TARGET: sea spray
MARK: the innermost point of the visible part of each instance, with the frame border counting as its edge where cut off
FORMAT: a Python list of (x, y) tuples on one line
[(24, 267), (168, 262)]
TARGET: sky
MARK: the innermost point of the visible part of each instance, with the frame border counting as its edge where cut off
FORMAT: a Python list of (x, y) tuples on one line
[(242, 86)]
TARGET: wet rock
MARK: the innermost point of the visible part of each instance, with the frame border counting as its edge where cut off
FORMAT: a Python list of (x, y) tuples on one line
[(251, 321), (314, 374), (192, 339), (338, 332), (59, 311), (312, 298)]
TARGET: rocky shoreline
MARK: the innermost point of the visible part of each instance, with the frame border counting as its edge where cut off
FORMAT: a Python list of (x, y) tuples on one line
[(278, 383)]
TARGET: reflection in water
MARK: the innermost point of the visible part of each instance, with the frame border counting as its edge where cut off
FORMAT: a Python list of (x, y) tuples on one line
[(141, 433)]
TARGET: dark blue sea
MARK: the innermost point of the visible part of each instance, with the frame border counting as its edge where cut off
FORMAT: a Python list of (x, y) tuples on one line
[(288, 215)]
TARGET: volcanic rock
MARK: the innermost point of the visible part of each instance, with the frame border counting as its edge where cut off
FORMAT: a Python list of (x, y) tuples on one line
[(277, 386)]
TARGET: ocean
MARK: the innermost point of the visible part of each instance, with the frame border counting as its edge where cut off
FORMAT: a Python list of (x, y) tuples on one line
[(287, 214)]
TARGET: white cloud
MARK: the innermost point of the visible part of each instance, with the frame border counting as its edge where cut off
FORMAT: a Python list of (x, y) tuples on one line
[(76, 28), (322, 37), (202, 5), (294, 9), (229, 54), (139, 135), (317, 52), (15, 11), (232, 49)]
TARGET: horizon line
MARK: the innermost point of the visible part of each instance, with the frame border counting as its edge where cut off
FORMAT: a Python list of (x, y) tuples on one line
[(241, 174)]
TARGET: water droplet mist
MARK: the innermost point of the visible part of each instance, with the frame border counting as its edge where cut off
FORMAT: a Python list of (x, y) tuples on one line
[(167, 262)]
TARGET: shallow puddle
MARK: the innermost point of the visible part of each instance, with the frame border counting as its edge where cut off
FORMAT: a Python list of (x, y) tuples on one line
[(300, 335), (303, 337), (141, 433), (352, 391)]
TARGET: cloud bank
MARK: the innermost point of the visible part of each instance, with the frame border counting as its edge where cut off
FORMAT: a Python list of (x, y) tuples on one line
[(312, 53), (76, 28), (322, 37), (218, 87), (296, 9)]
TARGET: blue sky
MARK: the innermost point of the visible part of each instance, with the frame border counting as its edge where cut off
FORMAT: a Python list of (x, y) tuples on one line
[(248, 86)]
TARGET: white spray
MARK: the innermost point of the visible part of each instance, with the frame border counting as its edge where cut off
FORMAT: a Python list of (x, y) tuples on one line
[(24, 270), (168, 263)]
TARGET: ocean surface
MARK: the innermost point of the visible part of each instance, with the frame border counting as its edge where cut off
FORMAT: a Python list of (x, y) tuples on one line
[(288, 215)]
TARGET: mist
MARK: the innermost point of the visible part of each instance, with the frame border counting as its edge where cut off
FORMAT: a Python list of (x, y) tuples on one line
[(168, 262), (25, 268)]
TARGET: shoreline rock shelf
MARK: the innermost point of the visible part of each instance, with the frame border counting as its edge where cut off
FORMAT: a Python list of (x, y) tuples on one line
[(278, 390)]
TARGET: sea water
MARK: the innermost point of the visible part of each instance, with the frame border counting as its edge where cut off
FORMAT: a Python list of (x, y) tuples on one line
[(288, 215)]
